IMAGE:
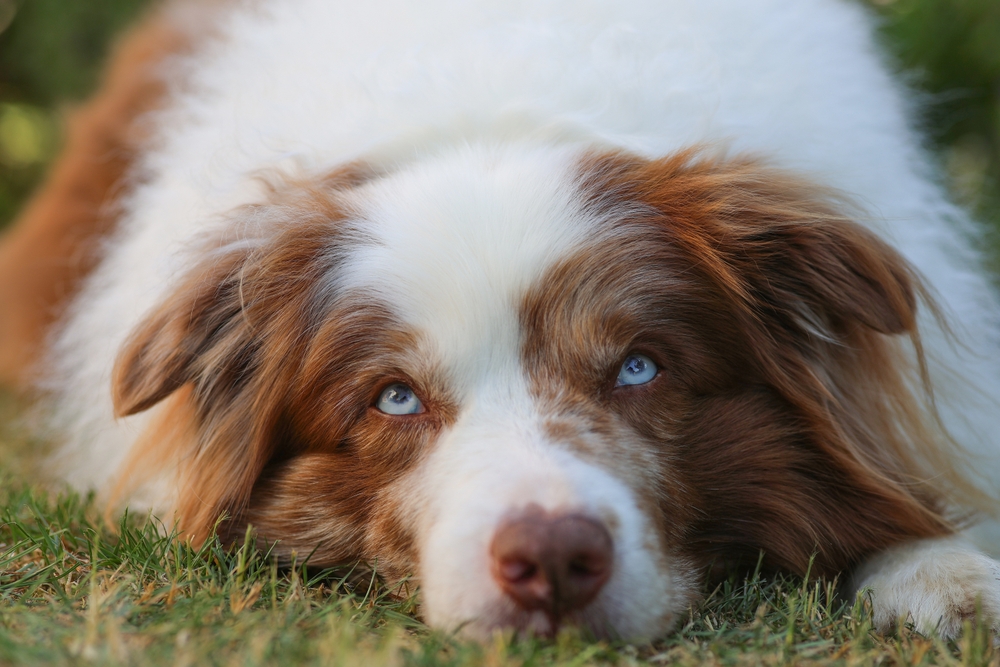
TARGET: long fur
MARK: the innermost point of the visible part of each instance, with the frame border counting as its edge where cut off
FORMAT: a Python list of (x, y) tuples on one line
[(496, 206)]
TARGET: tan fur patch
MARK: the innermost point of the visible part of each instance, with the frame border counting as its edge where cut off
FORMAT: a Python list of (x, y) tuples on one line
[(55, 243)]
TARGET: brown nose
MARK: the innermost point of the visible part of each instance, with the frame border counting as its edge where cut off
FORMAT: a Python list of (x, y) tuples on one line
[(554, 563)]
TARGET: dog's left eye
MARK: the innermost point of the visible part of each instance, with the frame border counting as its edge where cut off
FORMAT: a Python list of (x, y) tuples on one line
[(399, 399), (637, 369)]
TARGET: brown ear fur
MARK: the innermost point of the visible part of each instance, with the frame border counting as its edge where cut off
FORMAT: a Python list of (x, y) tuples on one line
[(233, 334), (827, 311), (770, 239)]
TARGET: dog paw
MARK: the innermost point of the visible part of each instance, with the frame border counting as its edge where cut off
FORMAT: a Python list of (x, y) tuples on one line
[(936, 585)]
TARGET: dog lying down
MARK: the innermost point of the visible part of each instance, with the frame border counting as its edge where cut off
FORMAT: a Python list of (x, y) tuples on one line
[(552, 305)]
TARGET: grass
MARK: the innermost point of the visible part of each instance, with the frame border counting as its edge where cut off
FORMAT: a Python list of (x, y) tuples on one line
[(74, 592)]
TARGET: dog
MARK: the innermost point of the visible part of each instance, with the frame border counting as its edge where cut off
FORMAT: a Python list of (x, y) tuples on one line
[(559, 308)]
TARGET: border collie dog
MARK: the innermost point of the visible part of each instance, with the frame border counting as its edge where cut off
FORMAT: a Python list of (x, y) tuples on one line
[(559, 307)]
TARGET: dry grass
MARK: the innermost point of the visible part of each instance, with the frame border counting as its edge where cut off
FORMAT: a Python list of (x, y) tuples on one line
[(74, 592)]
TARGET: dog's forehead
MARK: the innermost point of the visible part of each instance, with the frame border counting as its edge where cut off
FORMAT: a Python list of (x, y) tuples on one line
[(456, 242)]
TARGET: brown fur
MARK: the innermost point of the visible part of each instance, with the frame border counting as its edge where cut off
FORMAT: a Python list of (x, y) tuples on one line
[(785, 405), (785, 395), (783, 419), (56, 242), (277, 377)]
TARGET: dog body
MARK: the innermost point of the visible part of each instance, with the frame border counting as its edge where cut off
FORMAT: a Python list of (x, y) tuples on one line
[(554, 305)]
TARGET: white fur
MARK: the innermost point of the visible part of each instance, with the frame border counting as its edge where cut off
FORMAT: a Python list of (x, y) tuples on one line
[(495, 462), (455, 242), (489, 101), (308, 84), (935, 584)]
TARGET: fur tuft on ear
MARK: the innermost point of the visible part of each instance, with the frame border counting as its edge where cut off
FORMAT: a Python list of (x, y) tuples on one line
[(189, 334), (163, 353), (232, 336)]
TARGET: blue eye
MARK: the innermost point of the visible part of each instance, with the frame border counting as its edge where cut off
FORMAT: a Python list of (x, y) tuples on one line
[(637, 369), (398, 399)]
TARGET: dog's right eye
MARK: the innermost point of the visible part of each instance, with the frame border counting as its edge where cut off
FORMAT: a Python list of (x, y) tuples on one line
[(637, 369), (399, 399)]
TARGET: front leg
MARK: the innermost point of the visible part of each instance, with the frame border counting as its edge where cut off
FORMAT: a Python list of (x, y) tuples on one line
[(934, 584)]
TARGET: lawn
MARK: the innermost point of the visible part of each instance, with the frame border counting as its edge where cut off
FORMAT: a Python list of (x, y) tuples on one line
[(75, 591)]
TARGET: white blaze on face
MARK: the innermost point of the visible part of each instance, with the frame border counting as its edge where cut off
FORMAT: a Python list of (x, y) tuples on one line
[(494, 463), (458, 239), (455, 244)]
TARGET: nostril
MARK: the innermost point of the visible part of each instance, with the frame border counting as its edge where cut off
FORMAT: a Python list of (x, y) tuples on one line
[(516, 570), (580, 568), (557, 563)]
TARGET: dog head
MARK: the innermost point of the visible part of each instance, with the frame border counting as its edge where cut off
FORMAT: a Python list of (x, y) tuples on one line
[(557, 386)]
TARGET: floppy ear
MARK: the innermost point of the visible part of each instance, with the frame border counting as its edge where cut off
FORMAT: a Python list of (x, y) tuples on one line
[(231, 336), (778, 245), (174, 344), (203, 329), (823, 311)]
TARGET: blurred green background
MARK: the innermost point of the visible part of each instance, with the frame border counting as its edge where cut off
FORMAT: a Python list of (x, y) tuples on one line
[(51, 53)]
